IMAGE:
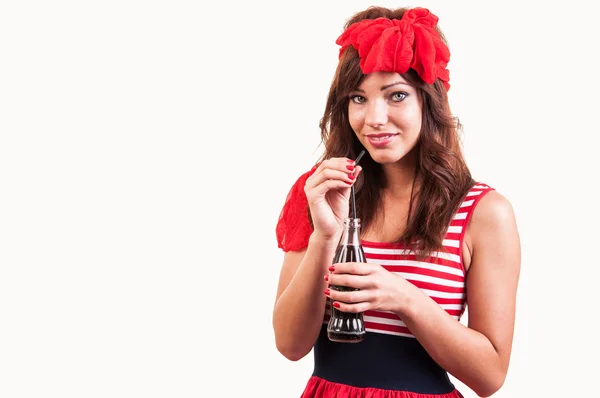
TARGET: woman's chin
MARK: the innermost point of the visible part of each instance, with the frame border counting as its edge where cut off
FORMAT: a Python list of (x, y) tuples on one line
[(385, 157), (393, 155)]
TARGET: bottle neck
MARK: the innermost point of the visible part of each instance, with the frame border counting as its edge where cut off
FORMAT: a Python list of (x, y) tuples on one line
[(351, 232)]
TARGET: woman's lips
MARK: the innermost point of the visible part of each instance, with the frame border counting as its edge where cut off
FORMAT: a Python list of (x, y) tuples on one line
[(381, 140)]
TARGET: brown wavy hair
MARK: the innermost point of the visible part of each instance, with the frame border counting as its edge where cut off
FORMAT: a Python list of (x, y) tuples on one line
[(444, 175)]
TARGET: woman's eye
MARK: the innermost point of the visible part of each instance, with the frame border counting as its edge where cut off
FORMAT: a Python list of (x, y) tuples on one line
[(357, 99), (399, 96)]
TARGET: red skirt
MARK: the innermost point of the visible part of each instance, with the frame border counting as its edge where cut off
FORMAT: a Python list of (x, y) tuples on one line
[(320, 388)]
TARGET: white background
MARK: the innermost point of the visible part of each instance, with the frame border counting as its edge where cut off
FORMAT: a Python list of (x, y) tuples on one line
[(147, 148)]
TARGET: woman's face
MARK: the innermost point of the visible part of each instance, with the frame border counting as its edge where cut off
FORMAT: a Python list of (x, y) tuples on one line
[(385, 113)]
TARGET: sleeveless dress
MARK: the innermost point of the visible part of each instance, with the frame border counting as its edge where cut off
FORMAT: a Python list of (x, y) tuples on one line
[(389, 362)]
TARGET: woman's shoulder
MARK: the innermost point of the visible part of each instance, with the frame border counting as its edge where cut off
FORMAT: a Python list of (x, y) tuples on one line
[(293, 227), (493, 204), (296, 192), (470, 200), (490, 223), (493, 211), (301, 180)]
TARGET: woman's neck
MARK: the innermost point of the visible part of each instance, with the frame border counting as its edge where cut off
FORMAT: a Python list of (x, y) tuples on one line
[(400, 177)]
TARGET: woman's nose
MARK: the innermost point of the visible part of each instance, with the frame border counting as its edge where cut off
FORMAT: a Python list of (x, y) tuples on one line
[(376, 114)]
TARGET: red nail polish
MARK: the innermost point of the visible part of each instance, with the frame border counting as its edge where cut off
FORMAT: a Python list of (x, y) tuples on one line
[(351, 168), (350, 176), (326, 278), (327, 291), (336, 304), (332, 268), (350, 161)]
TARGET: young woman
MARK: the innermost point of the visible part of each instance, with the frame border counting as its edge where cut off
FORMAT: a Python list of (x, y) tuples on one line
[(435, 240)]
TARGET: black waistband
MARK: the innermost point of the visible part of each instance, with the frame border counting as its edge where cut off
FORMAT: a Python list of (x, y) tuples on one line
[(380, 361)]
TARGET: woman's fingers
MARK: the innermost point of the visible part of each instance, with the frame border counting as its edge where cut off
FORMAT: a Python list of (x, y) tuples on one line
[(350, 281), (353, 268), (354, 308), (336, 173), (331, 174), (352, 286), (350, 301), (337, 168)]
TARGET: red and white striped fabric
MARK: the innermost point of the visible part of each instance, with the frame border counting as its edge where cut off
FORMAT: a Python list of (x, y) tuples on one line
[(441, 277)]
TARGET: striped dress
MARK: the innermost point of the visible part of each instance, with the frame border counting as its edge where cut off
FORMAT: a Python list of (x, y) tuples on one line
[(390, 362)]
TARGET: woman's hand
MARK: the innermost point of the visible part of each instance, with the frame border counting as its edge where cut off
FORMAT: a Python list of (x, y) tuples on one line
[(379, 289), (328, 191)]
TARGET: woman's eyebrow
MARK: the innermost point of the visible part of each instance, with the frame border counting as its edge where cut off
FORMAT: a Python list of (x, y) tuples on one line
[(384, 87)]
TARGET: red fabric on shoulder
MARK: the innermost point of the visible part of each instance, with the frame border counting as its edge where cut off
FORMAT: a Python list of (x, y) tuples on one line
[(293, 228)]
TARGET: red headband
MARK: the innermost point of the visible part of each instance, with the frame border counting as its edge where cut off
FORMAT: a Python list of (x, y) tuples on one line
[(395, 45)]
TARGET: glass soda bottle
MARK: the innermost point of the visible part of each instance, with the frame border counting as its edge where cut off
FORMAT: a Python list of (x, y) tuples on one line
[(346, 327)]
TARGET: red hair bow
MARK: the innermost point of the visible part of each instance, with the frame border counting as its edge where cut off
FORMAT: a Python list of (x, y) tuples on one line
[(395, 45)]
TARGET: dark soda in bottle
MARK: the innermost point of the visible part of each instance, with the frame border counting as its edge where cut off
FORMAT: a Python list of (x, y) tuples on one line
[(346, 327)]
